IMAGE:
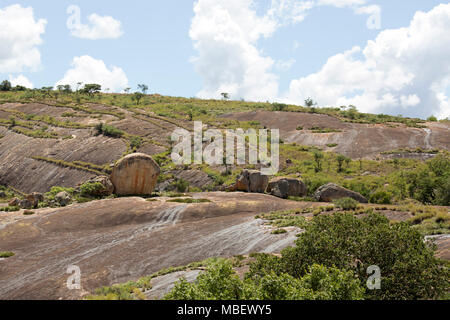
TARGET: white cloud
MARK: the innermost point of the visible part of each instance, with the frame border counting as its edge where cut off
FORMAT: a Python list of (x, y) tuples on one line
[(21, 80), (86, 69), (225, 33), (99, 27), (341, 3), (20, 34), (404, 70)]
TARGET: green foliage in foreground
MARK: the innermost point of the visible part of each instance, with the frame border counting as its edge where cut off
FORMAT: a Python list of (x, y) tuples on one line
[(330, 261), (409, 269), (220, 282)]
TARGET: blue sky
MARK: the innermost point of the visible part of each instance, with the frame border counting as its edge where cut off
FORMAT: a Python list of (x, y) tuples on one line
[(281, 61)]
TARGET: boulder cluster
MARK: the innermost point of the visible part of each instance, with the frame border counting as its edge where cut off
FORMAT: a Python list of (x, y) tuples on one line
[(284, 187)]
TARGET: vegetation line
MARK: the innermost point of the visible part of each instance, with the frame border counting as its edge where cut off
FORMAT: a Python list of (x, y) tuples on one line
[(84, 166)]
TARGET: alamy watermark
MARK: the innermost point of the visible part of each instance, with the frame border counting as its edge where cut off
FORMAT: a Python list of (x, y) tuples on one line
[(374, 280), (74, 280), (237, 147)]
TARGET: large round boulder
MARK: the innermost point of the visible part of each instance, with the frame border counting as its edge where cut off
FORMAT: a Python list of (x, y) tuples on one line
[(331, 191), (284, 187), (135, 174)]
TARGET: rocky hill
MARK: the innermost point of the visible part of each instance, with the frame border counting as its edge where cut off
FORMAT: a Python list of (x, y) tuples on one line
[(53, 144)]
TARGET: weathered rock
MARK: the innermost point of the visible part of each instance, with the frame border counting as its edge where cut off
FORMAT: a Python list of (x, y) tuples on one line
[(14, 202), (284, 187), (135, 174), (251, 181), (331, 191), (108, 187), (63, 198), (34, 199)]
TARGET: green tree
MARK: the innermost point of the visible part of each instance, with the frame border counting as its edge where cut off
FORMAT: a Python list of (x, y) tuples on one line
[(143, 88), (91, 89), (409, 269), (137, 97), (340, 160), (5, 85), (310, 102), (318, 158)]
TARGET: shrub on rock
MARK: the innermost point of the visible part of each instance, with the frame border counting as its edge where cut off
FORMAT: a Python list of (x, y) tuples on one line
[(98, 187)]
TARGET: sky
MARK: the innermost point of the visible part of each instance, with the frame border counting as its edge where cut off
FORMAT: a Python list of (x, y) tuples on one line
[(381, 56)]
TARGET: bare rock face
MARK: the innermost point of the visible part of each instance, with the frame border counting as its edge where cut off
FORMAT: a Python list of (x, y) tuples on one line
[(331, 191), (251, 181), (284, 187), (135, 174)]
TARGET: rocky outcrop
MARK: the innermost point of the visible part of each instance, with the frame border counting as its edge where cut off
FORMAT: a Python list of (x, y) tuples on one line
[(135, 174), (251, 181), (63, 198), (331, 191), (284, 187), (14, 202), (30, 201), (34, 199)]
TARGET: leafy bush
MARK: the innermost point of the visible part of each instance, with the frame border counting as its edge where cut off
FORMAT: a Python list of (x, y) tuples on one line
[(220, 282), (91, 189), (381, 197), (409, 269), (55, 190), (108, 130), (346, 203), (135, 142), (182, 185)]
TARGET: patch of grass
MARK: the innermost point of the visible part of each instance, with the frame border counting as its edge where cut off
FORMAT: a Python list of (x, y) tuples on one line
[(279, 231), (6, 254), (346, 203), (332, 145), (37, 134), (286, 218), (10, 209), (84, 166)]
